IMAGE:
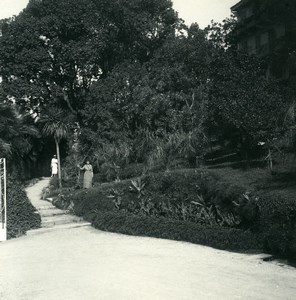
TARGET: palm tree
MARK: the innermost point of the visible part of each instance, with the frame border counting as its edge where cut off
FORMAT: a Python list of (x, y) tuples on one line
[(57, 126), (16, 135)]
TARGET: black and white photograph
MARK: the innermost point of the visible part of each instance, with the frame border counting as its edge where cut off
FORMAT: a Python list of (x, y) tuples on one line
[(147, 149)]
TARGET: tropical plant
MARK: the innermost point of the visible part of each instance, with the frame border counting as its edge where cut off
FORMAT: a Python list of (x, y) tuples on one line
[(17, 132), (116, 197), (137, 186), (56, 125), (178, 148), (247, 208)]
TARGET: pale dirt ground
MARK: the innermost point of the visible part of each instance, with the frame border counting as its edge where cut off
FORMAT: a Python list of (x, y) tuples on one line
[(84, 263)]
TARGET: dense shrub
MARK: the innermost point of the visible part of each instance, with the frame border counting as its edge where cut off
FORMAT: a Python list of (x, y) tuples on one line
[(277, 205), (227, 202), (174, 195), (21, 215), (214, 236), (278, 225), (54, 183), (131, 171), (109, 173), (271, 218), (112, 207)]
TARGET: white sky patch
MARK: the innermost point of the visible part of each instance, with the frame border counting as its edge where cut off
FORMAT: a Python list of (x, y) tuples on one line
[(203, 11), (9, 8), (199, 11)]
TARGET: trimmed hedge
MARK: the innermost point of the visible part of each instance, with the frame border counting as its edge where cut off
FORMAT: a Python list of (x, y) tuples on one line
[(271, 223), (21, 214), (179, 187), (214, 236), (277, 225), (276, 222)]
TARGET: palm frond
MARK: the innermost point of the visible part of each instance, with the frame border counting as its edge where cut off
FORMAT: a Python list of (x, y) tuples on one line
[(55, 124), (5, 148)]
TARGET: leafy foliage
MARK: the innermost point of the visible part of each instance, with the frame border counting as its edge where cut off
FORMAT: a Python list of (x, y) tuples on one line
[(126, 83), (157, 202), (277, 224), (245, 102), (180, 196), (21, 215), (55, 124), (53, 53), (217, 237), (147, 106), (54, 50), (18, 134)]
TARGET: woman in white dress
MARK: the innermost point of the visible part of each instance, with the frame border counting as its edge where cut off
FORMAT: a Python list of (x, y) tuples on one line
[(54, 166), (88, 175)]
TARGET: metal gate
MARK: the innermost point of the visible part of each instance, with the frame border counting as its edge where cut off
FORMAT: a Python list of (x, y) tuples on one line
[(3, 211)]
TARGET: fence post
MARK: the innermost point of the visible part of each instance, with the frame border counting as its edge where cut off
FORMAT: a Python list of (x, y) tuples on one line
[(3, 208)]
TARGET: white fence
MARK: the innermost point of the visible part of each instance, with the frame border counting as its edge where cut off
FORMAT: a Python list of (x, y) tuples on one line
[(3, 209)]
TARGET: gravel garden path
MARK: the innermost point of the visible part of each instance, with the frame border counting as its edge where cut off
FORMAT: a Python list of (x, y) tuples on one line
[(67, 260)]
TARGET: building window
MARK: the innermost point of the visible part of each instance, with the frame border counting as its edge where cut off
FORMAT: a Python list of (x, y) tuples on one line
[(241, 15), (280, 30), (249, 12), (252, 45), (242, 45), (244, 13), (264, 43), (264, 39)]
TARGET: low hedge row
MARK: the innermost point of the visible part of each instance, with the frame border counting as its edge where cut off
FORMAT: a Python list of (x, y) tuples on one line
[(97, 206), (276, 221), (214, 236), (270, 228), (277, 224), (21, 215)]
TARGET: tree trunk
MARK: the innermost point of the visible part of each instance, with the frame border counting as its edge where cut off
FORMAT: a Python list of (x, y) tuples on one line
[(59, 163), (269, 160), (248, 159), (66, 98), (245, 142)]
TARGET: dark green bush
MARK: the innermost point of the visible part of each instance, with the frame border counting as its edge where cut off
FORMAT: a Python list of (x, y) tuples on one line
[(54, 183), (131, 171), (278, 225), (109, 207), (274, 222), (107, 173), (222, 193), (173, 194), (214, 236), (21, 215)]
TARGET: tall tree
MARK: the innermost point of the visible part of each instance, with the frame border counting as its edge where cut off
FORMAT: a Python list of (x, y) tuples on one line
[(57, 125), (245, 101), (54, 50), (51, 52), (156, 98)]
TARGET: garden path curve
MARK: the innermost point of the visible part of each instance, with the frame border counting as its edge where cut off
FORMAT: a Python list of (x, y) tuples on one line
[(75, 261)]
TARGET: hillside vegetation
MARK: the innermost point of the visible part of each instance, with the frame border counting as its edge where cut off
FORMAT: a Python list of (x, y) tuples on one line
[(131, 88), (196, 205)]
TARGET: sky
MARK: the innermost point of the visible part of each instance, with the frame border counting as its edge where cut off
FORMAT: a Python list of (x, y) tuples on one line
[(199, 11), (203, 11)]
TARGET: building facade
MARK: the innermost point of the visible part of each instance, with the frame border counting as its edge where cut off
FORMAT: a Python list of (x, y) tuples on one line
[(267, 28)]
